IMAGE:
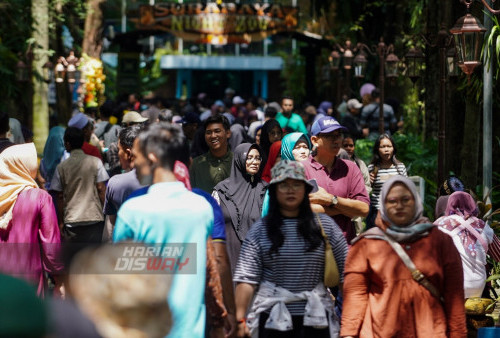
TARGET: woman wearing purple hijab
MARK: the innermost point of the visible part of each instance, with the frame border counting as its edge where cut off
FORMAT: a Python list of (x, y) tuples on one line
[(471, 236)]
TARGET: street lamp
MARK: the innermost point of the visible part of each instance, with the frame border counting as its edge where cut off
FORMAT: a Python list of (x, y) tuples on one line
[(452, 62), (414, 60), (360, 63), (345, 56), (388, 64), (60, 70), (468, 34), (67, 66), (22, 71), (443, 41), (48, 71)]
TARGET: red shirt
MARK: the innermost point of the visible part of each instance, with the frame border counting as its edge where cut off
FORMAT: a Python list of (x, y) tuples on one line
[(91, 150), (344, 180)]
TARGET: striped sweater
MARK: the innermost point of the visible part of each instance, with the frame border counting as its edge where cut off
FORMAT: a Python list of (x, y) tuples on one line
[(293, 267), (382, 176)]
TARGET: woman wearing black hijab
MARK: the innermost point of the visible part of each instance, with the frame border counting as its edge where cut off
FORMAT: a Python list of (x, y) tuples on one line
[(271, 132), (240, 196)]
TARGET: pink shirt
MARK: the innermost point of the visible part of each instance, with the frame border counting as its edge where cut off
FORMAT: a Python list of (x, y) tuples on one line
[(31, 243), (344, 180)]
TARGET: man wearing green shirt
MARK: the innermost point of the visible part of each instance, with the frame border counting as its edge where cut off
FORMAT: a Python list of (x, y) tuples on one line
[(214, 166), (288, 120)]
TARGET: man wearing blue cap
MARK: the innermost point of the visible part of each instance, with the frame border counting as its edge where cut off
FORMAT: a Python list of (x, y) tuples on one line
[(342, 192), (82, 122)]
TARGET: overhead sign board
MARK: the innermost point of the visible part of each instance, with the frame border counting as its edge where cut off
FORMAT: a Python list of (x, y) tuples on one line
[(219, 24)]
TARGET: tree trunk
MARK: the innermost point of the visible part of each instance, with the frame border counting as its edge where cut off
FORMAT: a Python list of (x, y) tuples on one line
[(470, 147), (40, 13), (92, 40)]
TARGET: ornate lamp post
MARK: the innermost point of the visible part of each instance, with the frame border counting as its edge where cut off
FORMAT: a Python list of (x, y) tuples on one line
[(443, 41), (468, 33), (345, 56), (66, 74), (388, 66)]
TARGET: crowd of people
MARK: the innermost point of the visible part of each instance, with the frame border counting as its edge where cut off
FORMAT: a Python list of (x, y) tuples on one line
[(293, 234)]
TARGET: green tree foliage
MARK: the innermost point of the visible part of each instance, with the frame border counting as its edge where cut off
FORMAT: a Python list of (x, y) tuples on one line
[(15, 30)]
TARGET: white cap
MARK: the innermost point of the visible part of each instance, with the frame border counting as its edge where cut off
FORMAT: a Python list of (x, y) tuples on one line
[(238, 100), (353, 103)]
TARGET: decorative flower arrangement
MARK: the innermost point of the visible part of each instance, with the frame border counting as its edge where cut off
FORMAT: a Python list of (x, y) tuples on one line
[(92, 81)]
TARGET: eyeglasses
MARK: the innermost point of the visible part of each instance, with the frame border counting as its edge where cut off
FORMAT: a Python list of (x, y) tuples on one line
[(392, 202), (250, 159), (284, 187)]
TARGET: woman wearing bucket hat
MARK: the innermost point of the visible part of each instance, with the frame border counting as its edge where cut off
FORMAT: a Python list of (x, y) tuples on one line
[(284, 256)]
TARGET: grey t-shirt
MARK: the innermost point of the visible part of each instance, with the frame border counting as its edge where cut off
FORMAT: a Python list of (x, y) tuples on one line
[(118, 189), (109, 136)]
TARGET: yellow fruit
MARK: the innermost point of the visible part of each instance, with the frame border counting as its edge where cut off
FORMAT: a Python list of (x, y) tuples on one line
[(478, 306)]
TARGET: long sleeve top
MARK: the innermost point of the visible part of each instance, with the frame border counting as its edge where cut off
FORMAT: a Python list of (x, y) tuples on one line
[(31, 244), (381, 299)]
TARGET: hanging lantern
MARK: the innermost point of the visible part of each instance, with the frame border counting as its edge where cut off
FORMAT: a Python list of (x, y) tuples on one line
[(414, 60), (22, 72), (59, 71), (360, 63), (452, 62), (468, 33), (348, 57), (48, 71), (334, 60), (391, 65), (71, 72)]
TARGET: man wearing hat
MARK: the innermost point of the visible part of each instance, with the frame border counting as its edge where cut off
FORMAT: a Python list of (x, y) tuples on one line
[(351, 119), (131, 118), (82, 122), (342, 192)]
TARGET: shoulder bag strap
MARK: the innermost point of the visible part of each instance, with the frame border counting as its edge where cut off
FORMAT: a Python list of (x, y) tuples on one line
[(331, 268), (415, 273)]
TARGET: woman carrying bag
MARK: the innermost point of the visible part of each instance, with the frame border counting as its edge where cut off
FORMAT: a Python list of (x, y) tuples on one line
[(403, 278), (284, 256)]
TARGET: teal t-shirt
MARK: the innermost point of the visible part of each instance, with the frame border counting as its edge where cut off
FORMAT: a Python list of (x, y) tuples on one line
[(169, 213), (294, 123)]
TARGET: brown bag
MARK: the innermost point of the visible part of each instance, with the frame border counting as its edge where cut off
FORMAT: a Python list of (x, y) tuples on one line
[(331, 276)]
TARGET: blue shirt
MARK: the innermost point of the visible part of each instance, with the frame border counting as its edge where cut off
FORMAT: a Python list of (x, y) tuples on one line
[(169, 213), (219, 228)]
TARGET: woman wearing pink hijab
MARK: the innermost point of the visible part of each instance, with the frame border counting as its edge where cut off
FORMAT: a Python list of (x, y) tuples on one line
[(471, 236), (29, 232)]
